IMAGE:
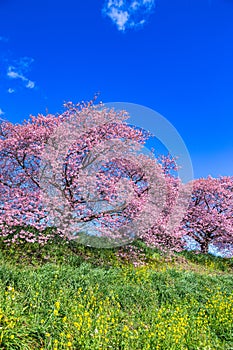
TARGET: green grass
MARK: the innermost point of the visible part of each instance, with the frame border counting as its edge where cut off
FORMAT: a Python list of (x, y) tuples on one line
[(68, 296)]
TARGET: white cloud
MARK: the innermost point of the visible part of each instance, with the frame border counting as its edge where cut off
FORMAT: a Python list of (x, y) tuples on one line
[(119, 17), (116, 3), (1, 112), (10, 90), (12, 73), (135, 5), (127, 14), (142, 22), (30, 84)]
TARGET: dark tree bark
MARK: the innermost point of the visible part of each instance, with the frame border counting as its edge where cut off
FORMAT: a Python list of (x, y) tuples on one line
[(205, 247)]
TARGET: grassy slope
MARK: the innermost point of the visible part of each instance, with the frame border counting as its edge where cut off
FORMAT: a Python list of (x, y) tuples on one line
[(74, 297)]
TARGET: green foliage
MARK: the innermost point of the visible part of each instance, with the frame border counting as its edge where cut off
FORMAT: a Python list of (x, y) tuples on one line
[(209, 261), (68, 296)]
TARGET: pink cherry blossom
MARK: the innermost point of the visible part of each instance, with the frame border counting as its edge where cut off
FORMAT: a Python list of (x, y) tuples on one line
[(209, 218), (51, 175)]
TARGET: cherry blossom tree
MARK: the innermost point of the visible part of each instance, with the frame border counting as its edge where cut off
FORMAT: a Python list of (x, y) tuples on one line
[(105, 186), (82, 171), (209, 219), (165, 234), (136, 195)]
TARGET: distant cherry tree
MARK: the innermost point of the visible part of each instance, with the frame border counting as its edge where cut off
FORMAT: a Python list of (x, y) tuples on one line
[(209, 219)]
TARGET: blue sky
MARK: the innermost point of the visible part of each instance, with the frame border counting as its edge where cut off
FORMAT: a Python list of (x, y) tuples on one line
[(175, 57)]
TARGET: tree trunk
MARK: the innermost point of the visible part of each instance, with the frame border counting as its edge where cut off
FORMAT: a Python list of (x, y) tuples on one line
[(205, 247)]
